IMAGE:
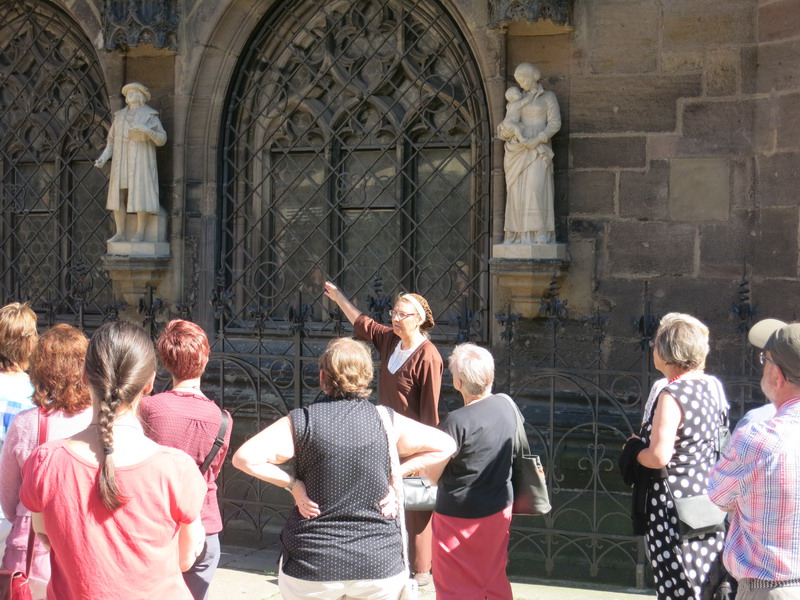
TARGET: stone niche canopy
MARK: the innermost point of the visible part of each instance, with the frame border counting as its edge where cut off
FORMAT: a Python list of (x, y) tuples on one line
[(502, 12), (129, 23)]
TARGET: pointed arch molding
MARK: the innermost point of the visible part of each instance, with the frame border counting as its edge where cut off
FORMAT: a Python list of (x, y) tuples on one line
[(354, 146), (505, 11)]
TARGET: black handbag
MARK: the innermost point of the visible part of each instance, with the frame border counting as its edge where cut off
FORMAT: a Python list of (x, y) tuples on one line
[(527, 474), (419, 493)]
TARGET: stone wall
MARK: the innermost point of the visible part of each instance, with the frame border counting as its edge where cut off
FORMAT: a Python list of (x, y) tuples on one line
[(681, 158), (676, 166)]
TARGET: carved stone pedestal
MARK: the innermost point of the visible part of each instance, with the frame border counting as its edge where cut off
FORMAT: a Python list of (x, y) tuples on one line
[(134, 267), (521, 275), (132, 276)]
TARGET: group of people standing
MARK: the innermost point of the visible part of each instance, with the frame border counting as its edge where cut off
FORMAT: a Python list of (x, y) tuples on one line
[(350, 457), (120, 485), (117, 486), (115, 482)]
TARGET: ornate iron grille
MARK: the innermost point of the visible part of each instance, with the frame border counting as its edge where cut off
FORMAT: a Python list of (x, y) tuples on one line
[(355, 144), (53, 124)]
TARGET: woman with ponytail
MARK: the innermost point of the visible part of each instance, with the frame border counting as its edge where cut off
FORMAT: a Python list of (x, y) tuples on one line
[(121, 513)]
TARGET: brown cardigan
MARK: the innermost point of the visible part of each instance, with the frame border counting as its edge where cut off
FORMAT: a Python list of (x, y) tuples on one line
[(413, 391)]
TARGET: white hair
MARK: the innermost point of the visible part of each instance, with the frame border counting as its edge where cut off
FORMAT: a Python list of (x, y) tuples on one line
[(474, 366)]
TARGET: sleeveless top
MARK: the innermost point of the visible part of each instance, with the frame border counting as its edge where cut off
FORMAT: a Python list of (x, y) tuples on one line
[(342, 457)]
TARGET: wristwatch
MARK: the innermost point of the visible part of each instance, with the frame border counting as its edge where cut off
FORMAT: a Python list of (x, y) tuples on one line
[(291, 485)]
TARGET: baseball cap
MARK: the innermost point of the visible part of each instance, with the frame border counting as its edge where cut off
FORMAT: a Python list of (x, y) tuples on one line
[(783, 342)]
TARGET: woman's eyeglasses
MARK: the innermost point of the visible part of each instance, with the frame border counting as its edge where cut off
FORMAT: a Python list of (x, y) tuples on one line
[(399, 314)]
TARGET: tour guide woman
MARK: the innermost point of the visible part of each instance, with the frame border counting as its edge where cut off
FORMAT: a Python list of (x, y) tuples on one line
[(410, 382), (343, 540)]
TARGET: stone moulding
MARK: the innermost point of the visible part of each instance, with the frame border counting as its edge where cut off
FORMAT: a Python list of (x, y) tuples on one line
[(502, 12), (129, 23)]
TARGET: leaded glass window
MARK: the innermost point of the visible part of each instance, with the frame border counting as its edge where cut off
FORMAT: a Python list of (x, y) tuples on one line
[(53, 123), (355, 146)]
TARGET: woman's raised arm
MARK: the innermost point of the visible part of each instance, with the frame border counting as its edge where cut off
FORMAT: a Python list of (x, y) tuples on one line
[(348, 308)]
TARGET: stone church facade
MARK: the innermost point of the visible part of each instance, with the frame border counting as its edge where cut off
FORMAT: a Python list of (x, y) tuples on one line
[(355, 140)]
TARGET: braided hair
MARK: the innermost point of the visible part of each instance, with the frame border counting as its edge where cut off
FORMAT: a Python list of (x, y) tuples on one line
[(120, 361)]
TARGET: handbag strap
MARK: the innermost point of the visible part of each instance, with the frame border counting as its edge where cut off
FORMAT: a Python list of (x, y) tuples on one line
[(521, 446), (42, 418), (218, 442), (395, 477)]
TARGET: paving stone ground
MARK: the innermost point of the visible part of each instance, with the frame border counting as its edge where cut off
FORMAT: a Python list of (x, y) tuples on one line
[(249, 573)]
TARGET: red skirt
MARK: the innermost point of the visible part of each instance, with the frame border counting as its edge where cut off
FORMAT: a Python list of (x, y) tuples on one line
[(470, 556)]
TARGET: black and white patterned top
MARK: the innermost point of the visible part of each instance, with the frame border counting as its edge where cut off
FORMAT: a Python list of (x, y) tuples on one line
[(342, 457), (681, 567)]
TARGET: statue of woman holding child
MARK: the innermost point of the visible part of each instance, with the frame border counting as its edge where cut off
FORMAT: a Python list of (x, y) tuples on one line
[(532, 119)]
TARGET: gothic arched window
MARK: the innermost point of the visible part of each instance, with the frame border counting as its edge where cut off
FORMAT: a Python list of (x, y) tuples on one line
[(53, 123), (355, 147)]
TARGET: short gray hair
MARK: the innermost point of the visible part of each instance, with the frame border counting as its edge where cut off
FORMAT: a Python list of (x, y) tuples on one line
[(682, 341), (474, 366)]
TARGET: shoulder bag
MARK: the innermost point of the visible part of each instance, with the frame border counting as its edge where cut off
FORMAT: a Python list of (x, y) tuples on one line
[(698, 515), (527, 474), (14, 584), (218, 442), (410, 589)]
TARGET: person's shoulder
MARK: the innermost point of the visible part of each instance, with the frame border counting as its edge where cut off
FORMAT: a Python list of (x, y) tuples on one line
[(26, 417), (174, 457), (429, 349)]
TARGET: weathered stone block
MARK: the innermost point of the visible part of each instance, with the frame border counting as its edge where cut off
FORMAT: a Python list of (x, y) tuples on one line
[(550, 53), (788, 121), (645, 195), (749, 69), (718, 127), (725, 247), (699, 189), (776, 243), (624, 36), (708, 299), (702, 23), (776, 298), (722, 71), (779, 20), (743, 182), (626, 104), (625, 152), (649, 249), (586, 228), (623, 301), (778, 179), (591, 192), (682, 62), (778, 66), (579, 281)]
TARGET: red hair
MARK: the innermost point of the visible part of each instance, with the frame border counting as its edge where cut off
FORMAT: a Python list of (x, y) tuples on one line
[(56, 366), (183, 349)]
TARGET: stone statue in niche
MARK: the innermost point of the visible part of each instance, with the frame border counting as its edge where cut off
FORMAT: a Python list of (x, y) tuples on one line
[(132, 140), (532, 119)]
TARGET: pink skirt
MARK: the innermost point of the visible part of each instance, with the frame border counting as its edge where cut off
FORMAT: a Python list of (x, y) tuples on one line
[(470, 556)]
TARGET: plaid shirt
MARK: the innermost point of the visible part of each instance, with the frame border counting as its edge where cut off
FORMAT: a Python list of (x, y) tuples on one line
[(758, 479), (15, 395)]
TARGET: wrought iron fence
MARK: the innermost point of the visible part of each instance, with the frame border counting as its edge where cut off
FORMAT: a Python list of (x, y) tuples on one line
[(579, 410)]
